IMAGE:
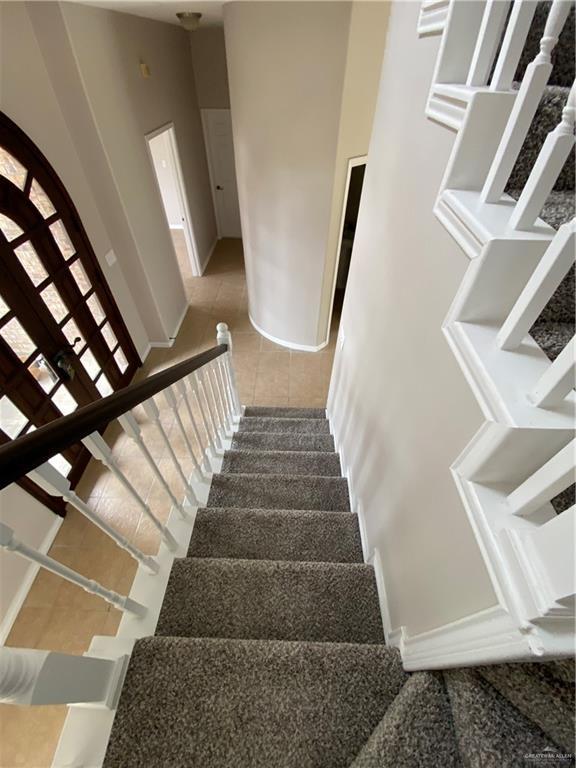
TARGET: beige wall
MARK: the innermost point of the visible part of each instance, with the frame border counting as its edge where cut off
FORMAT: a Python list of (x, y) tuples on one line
[(286, 64), (366, 41), (28, 97), (108, 47), (402, 407), (210, 73)]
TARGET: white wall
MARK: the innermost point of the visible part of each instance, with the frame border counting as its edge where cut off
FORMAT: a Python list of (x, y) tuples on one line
[(209, 63), (286, 63), (402, 409), (166, 174)]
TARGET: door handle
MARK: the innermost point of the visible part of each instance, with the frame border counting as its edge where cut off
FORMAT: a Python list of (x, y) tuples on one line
[(219, 187), (63, 361)]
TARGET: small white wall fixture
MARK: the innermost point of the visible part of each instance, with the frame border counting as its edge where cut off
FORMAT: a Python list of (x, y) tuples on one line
[(172, 180)]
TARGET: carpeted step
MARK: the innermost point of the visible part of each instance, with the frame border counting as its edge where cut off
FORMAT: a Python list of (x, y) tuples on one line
[(206, 703), (279, 492), (282, 462), (552, 337), (416, 731), (543, 692), (486, 723), (281, 441), (271, 600), (292, 426), (275, 534), (285, 413)]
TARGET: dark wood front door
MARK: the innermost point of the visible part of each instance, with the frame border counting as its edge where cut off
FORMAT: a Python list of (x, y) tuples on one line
[(63, 342)]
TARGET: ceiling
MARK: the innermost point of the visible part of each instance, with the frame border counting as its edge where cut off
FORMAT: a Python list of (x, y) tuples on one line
[(166, 10)]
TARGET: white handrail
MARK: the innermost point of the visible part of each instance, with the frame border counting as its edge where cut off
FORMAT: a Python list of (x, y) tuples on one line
[(551, 270), (489, 36), (554, 153), (525, 105), (546, 483), (9, 542), (558, 380), (512, 45)]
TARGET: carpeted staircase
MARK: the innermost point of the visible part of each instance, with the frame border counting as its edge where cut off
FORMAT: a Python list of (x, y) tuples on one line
[(269, 650)]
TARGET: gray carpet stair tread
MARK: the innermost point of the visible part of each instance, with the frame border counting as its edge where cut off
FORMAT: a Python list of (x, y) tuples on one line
[(244, 704), (271, 600), (292, 426), (285, 413), (488, 725), (543, 692), (282, 462), (552, 337), (416, 731), (253, 491), (281, 441), (274, 534)]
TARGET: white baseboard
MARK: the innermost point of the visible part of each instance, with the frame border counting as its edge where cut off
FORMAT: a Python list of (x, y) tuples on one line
[(172, 339), (289, 344), (376, 563), (210, 254), (32, 571)]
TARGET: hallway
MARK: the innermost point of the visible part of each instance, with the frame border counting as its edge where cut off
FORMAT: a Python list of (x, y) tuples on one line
[(61, 617)]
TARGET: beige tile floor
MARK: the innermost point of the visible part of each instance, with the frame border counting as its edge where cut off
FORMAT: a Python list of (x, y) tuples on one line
[(61, 617)]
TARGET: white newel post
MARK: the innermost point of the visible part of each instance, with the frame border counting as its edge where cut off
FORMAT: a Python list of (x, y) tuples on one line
[(547, 168), (9, 542), (525, 105), (31, 677), (223, 336), (54, 483)]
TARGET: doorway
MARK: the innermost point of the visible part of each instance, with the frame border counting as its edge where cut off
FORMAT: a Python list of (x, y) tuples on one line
[(63, 342), (163, 151), (349, 218)]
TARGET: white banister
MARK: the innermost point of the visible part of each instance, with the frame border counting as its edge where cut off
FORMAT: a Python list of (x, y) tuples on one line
[(513, 43), (547, 168), (558, 379), (489, 36), (212, 398), (201, 388), (151, 410), (550, 549), (9, 542), (173, 405), (98, 447), (221, 372), (546, 483), (224, 336), (54, 483), (551, 270), (205, 465), (525, 105), (213, 440), (32, 677), (219, 396)]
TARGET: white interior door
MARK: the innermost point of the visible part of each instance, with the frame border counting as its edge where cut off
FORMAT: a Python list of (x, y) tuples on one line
[(220, 148)]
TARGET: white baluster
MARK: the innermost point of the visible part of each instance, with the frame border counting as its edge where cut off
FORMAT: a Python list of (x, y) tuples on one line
[(55, 484), (32, 677), (213, 439), (549, 549), (173, 405), (224, 336), (489, 36), (101, 451), (201, 388), (212, 399), (212, 373), (151, 410), (9, 542), (205, 465), (513, 44), (551, 270), (558, 380), (546, 483), (221, 372), (525, 105), (547, 168)]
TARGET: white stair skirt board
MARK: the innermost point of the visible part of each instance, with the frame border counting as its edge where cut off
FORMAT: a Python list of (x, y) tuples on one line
[(31, 573), (376, 562), (84, 737), (289, 344)]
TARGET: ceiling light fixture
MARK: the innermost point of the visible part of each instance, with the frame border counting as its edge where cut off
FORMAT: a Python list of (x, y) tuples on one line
[(190, 21)]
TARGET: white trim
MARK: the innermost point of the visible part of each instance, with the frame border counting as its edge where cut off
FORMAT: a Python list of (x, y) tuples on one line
[(31, 572), (289, 344), (171, 339), (189, 235), (376, 563), (353, 162), (210, 254)]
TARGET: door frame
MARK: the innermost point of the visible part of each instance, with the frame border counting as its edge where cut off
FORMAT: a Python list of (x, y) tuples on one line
[(353, 162), (188, 229)]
